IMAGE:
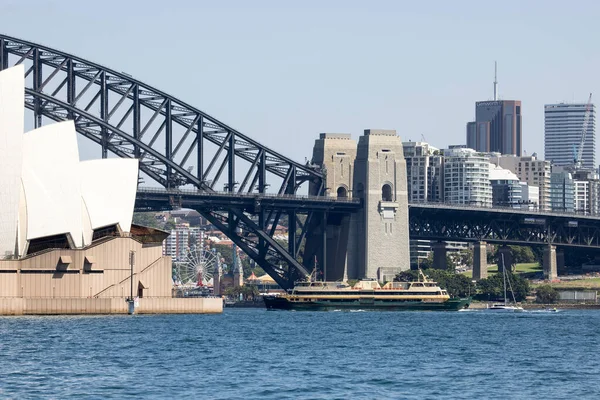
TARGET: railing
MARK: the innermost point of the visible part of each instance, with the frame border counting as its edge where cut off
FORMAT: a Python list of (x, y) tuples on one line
[(224, 194)]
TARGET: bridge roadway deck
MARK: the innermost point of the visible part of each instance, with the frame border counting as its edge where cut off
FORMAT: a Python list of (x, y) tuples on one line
[(155, 199), (457, 209), (430, 221)]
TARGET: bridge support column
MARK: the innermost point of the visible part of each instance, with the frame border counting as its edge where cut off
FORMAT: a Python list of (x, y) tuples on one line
[(550, 263), (335, 153), (505, 252), (439, 255), (382, 225), (480, 261), (560, 261)]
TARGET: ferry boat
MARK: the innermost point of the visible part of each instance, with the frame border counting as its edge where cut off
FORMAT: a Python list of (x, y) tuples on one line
[(367, 295)]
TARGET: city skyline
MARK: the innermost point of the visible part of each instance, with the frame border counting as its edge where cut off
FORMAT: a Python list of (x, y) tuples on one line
[(282, 71)]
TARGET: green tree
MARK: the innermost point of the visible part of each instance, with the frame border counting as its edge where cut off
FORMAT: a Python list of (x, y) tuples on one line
[(226, 254), (546, 294), (147, 219), (450, 263), (523, 254), (457, 285), (233, 292), (406, 276), (250, 292), (492, 288), (426, 263)]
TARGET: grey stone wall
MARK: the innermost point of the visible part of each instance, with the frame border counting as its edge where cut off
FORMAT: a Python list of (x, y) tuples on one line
[(381, 228)]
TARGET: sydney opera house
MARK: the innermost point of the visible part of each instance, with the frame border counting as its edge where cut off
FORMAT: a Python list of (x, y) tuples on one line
[(67, 243)]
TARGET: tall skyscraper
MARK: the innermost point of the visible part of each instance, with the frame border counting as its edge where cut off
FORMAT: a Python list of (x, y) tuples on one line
[(497, 125), (563, 126)]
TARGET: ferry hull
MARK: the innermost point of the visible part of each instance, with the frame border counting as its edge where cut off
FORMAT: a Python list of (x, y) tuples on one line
[(282, 303)]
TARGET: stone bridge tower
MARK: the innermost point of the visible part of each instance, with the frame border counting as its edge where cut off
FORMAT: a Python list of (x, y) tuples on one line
[(335, 153), (379, 241)]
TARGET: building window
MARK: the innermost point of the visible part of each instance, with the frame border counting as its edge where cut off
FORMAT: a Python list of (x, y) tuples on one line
[(342, 192)]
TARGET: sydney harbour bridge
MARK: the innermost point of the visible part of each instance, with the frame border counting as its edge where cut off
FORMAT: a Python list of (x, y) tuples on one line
[(239, 185)]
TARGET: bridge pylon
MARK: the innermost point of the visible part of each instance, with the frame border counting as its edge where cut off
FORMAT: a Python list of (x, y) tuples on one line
[(381, 228), (327, 240), (372, 243)]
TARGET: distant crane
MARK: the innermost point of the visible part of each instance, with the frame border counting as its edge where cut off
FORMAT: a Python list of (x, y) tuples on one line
[(586, 121)]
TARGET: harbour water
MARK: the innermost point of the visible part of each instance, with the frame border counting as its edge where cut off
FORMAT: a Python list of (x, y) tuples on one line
[(259, 354)]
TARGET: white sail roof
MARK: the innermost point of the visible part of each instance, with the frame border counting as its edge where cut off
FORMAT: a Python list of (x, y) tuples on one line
[(51, 180), (101, 180), (12, 117)]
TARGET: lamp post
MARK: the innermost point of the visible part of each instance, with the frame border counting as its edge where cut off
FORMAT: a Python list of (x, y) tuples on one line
[(129, 300)]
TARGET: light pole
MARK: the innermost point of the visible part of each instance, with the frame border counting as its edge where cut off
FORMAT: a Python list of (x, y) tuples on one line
[(129, 300)]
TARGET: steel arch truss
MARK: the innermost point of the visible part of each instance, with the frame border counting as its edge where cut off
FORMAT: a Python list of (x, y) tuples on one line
[(176, 144), (503, 227)]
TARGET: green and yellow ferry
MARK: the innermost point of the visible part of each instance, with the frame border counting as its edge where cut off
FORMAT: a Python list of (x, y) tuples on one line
[(367, 295)]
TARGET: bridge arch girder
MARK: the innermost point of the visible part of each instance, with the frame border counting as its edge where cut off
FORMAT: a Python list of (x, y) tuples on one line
[(132, 117)]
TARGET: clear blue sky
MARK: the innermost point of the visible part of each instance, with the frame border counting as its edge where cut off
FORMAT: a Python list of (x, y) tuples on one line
[(283, 71)]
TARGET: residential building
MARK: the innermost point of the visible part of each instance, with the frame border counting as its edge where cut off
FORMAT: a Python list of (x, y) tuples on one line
[(530, 170), (530, 197), (467, 177), (562, 191), (506, 188), (424, 172), (497, 127), (563, 127), (581, 201), (587, 188), (181, 240)]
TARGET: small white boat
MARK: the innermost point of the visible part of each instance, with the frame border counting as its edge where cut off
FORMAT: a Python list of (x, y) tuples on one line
[(506, 307)]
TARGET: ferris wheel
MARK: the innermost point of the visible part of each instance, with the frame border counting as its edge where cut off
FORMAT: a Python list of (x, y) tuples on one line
[(197, 268)]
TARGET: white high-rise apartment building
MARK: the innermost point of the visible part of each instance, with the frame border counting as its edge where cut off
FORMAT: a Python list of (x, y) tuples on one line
[(424, 169), (563, 126), (181, 240), (582, 197), (467, 177)]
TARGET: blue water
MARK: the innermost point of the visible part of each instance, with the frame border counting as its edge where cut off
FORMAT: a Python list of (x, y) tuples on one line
[(258, 354)]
